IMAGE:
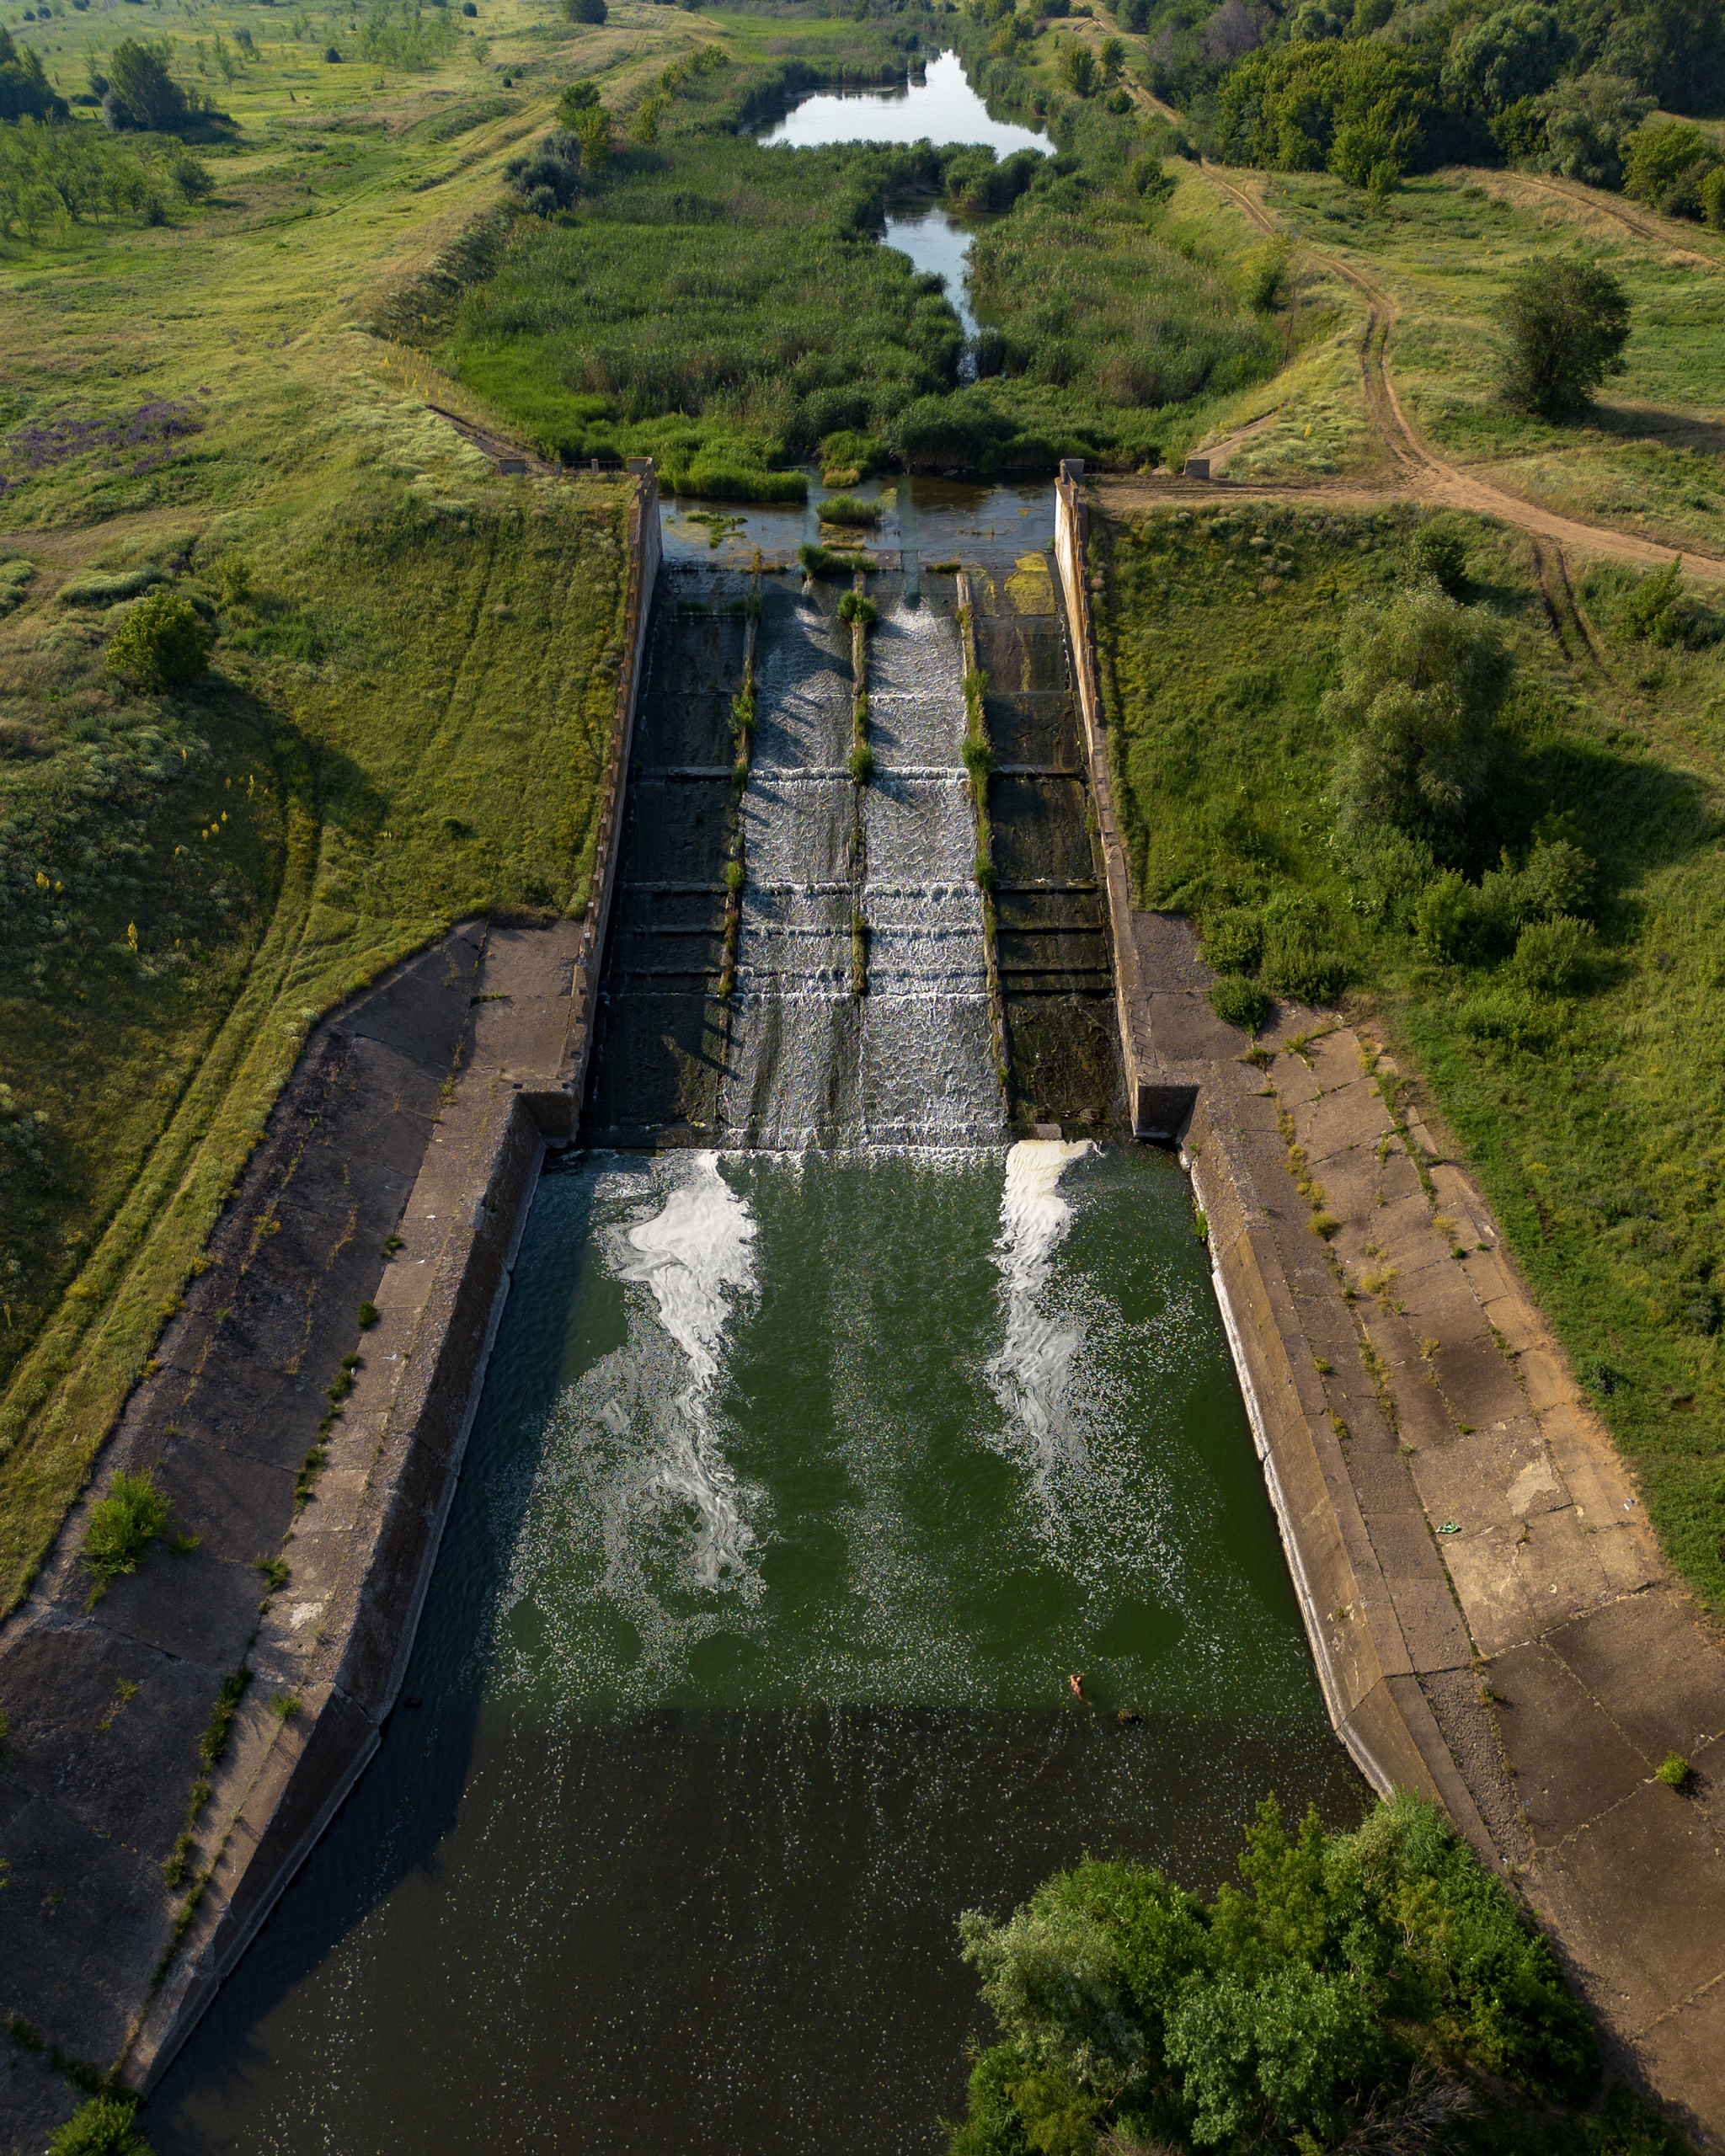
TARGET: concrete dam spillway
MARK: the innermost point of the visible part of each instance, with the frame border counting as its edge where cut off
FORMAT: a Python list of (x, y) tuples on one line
[(830, 1424)]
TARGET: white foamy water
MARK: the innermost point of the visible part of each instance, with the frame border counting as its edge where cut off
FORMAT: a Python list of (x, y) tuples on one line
[(1031, 1375), (690, 1254)]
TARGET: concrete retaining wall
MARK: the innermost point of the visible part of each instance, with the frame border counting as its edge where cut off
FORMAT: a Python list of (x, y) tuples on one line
[(405, 1428), (1369, 1682)]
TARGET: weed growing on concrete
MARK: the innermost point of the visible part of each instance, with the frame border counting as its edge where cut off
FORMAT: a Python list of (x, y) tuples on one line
[(275, 1572), (122, 1526), (285, 1706), (212, 1745), (368, 1315), (1674, 1771)]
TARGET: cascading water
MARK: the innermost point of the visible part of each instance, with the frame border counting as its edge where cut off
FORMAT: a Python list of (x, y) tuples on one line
[(826, 1433)]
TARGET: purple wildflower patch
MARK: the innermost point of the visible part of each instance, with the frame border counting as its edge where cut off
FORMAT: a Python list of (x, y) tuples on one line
[(155, 428)]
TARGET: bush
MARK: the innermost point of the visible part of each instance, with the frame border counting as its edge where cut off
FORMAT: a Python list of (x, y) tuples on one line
[(122, 1526), (1440, 553), (1674, 1771), (1554, 955), (575, 99), (1565, 324), (583, 11), (1660, 612), (1078, 70), (857, 606), (1237, 1000), (162, 644), (1233, 939), (101, 2128), (1511, 1014), (1443, 919), (332, 56), (1509, 57), (862, 763)]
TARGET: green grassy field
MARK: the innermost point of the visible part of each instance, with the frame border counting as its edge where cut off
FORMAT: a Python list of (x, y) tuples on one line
[(1591, 1109), (410, 692)]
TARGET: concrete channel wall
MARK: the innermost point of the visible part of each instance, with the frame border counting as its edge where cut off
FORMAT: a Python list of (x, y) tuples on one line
[(1373, 1696), (360, 1560)]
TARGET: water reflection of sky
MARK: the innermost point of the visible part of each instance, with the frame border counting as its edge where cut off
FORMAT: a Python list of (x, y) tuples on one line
[(940, 109), (924, 516)]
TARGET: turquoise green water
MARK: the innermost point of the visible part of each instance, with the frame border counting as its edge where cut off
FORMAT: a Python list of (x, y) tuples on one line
[(891, 1429), (799, 1490)]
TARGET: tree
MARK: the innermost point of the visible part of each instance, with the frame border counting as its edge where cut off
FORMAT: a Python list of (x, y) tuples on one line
[(1113, 59), (592, 130), (1423, 680), (1078, 70), (1589, 122), (1514, 54), (161, 642), (1285, 106), (577, 99), (1666, 162), (1567, 324), (140, 94), (25, 91)]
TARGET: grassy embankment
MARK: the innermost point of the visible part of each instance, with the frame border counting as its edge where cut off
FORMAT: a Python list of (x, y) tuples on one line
[(1590, 1107), (406, 710)]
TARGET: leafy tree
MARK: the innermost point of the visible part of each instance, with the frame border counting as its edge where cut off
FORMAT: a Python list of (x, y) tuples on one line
[(1511, 54), (1113, 59), (577, 99), (592, 130), (141, 92), (1287, 105), (1078, 70), (24, 89), (1423, 680), (1273, 2017), (1589, 122), (1567, 324), (1666, 164), (162, 644)]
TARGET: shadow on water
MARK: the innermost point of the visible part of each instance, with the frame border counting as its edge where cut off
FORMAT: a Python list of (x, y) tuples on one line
[(673, 1866)]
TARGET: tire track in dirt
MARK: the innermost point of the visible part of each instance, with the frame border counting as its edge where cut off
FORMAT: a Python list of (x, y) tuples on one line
[(1418, 469)]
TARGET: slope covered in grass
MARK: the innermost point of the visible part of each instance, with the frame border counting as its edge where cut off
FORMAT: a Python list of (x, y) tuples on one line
[(1583, 1082)]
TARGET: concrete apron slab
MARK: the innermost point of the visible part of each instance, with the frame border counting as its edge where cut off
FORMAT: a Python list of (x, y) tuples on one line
[(1491, 1620)]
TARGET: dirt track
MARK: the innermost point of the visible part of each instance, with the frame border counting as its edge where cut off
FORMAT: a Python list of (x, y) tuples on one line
[(1417, 469)]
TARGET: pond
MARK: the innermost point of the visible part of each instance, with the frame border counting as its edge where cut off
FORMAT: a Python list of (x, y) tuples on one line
[(940, 109)]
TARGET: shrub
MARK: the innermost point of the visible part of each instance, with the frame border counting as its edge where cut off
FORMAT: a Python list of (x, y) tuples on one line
[(1565, 324), (1440, 553), (1510, 1015), (368, 1315), (332, 56), (1233, 939), (1445, 917), (574, 100), (583, 11), (1555, 954), (122, 1526), (1660, 612), (101, 2128), (1674, 1771), (858, 606), (1237, 1000), (862, 763), (161, 642), (468, 8), (1712, 194)]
